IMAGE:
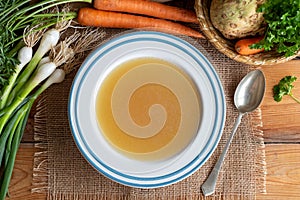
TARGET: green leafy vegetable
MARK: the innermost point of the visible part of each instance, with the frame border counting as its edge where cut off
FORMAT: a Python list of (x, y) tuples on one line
[(283, 26), (284, 87), (15, 15), (19, 73)]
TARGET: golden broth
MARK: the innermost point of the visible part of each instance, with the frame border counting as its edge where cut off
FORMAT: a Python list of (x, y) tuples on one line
[(148, 109)]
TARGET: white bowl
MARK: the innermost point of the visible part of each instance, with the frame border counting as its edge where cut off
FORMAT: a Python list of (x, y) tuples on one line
[(95, 147)]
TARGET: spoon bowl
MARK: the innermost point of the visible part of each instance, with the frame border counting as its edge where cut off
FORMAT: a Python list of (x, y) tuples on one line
[(247, 97), (250, 91)]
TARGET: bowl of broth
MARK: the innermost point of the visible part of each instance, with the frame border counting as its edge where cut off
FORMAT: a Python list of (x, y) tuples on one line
[(146, 109)]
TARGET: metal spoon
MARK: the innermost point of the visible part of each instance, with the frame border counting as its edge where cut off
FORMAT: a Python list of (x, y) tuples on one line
[(247, 97)]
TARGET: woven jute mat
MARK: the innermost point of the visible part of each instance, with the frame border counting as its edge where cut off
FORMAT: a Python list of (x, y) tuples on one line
[(62, 172)]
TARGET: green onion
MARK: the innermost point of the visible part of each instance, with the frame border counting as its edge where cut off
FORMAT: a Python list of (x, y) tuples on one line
[(15, 129), (15, 15), (24, 56), (49, 39), (24, 76)]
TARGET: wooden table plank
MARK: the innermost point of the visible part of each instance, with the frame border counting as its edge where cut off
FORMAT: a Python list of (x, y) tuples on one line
[(281, 120), (21, 182), (283, 178)]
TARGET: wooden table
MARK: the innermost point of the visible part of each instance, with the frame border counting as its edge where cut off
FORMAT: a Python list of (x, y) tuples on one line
[(281, 125)]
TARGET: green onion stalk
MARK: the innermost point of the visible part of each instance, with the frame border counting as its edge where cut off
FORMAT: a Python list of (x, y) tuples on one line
[(21, 81), (16, 122), (9, 144)]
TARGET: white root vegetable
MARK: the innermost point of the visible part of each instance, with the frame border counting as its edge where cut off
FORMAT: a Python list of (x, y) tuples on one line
[(43, 72), (49, 40), (24, 57), (56, 77), (44, 60)]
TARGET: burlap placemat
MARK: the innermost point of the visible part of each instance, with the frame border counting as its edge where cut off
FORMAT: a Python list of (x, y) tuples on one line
[(62, 172)]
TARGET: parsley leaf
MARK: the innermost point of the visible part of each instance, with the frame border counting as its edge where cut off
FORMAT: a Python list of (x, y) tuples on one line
[(284, 87), (283, 26)]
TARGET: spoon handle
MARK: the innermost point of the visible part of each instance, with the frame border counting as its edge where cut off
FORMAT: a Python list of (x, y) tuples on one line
[(209, 185)]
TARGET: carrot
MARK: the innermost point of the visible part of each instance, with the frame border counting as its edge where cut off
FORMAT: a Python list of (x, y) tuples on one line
[(98, 18), (243, 46), (146, 7)]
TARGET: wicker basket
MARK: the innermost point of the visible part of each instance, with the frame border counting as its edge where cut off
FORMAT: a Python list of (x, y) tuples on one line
[(226, 46)]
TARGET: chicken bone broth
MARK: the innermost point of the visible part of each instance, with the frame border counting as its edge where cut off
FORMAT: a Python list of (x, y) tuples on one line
[(148, 109)]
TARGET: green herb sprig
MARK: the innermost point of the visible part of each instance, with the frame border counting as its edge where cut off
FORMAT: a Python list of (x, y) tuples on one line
[(283, 26), (284, 87)]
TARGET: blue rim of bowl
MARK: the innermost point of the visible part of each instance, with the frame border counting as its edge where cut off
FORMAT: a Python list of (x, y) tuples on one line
[(147, 179)]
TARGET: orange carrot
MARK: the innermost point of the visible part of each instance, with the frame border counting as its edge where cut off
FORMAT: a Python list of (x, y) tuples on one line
[(107, 19), (243, 46), (146, 7)]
